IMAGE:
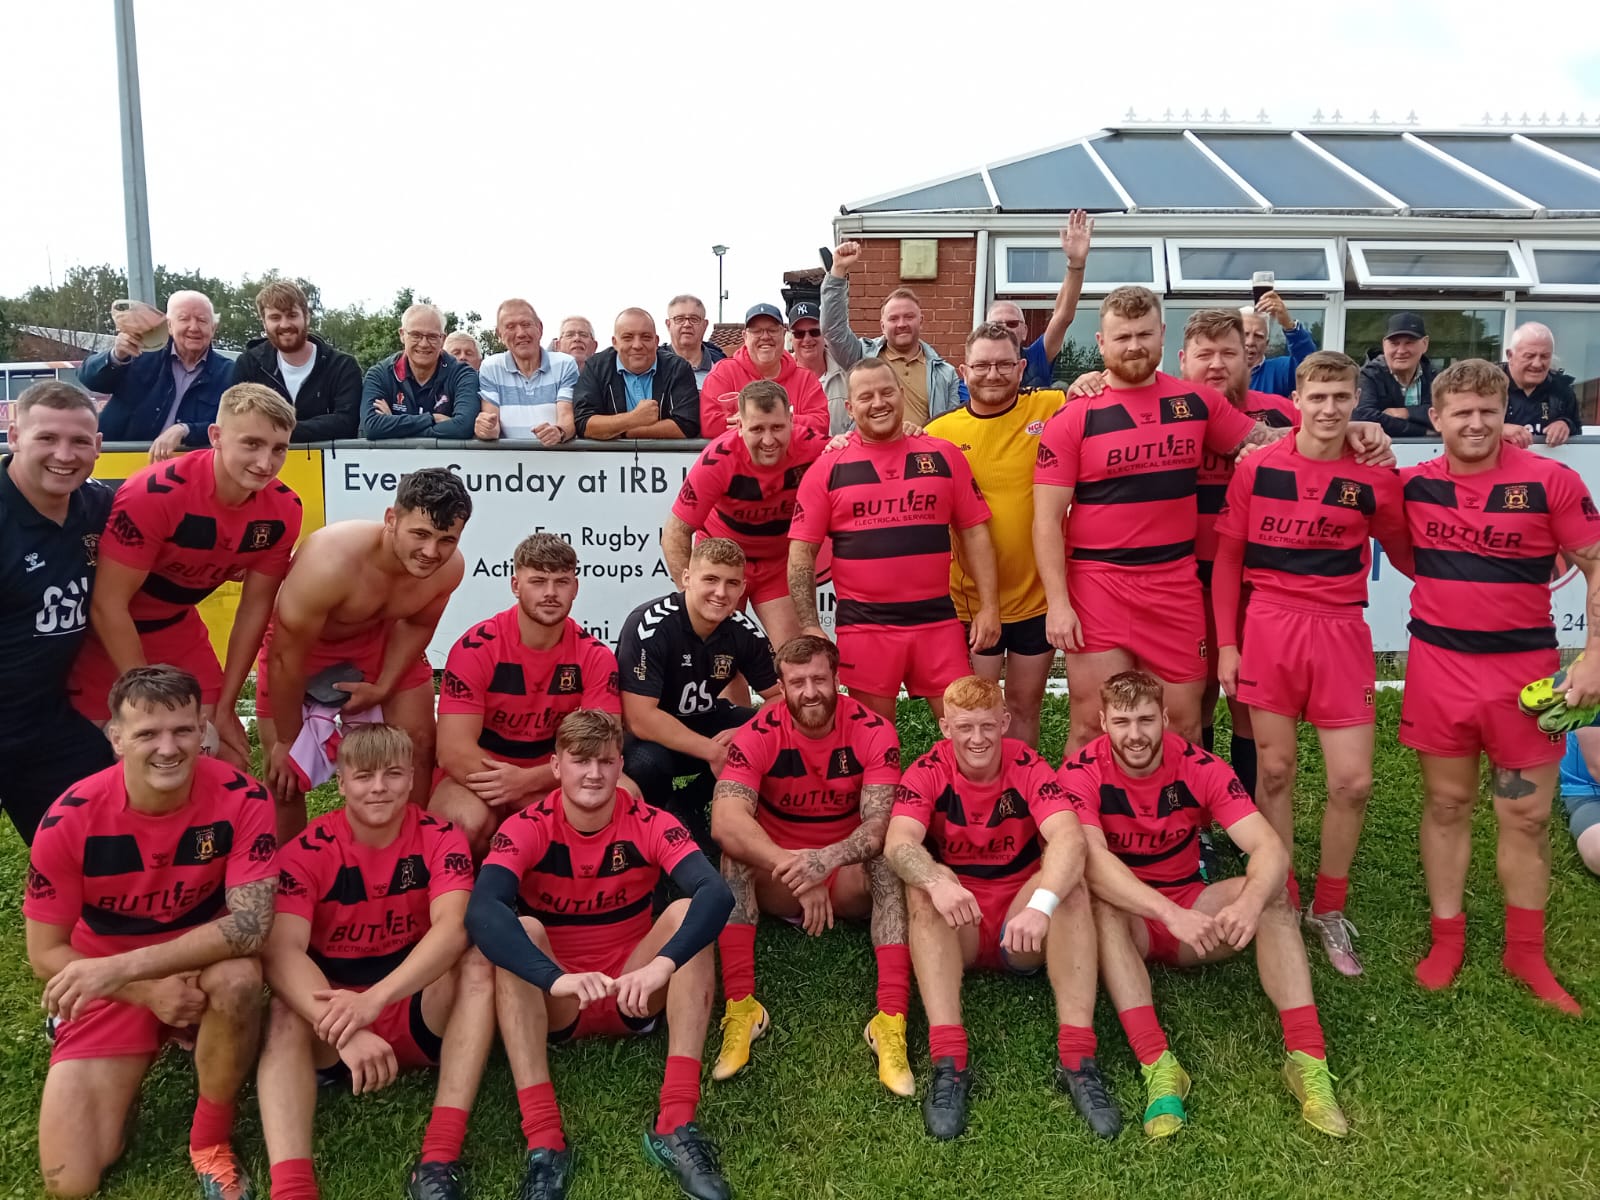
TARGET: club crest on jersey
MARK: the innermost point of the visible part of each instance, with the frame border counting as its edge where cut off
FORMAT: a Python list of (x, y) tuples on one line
[(843, 761), (567, 680), (257, 535), (1170, 797), (406, 877), (1349, 493), (91, 549), (1006, 809), (722, 666), (619, 858), (1516, 497), (205, 844), (924, 464), (1178, 406)]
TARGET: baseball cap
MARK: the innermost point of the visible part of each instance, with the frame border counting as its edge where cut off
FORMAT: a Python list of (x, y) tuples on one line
[(805, 311), (1405, 325), (764, 310)]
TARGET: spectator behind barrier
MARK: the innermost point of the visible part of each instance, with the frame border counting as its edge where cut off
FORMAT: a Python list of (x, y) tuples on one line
[(810, 350), (526, 390), (420, 391), (166, 397), (322, 383), (686, 331), (1275, 376), (638, 388), (1397, 384), (1541, 397), (761, 357), (577, 339), (928, 384), (463, 347)]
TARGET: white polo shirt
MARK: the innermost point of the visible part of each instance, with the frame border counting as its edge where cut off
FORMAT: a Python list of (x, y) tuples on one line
[(525, 401)]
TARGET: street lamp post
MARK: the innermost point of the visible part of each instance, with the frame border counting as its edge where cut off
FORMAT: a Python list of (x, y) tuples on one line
[(135, 200), (719, 251)]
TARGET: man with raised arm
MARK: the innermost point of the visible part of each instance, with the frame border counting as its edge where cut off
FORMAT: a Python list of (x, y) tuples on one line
[(149, 896), (893, 503), (981, 892), (1297, 528), (1488, 520), (508, 683), (365, 597), (179, 529), (1144, 794), (370, 969), (588, 960), (800, 812), (742, 487)]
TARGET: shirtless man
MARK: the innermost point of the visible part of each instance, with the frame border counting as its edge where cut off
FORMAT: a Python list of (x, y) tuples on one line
[(366, 593)]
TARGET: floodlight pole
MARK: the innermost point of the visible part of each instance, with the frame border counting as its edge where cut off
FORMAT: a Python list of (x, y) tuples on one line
[(135, 199), (719, 251)]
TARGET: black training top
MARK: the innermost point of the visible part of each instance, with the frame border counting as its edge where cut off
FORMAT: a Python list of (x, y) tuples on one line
[(46, 571), (662, 657)]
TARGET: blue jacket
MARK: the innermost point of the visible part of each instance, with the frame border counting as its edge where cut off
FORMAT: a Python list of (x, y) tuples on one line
[(142, 389), (1275, 376), (453, 388)]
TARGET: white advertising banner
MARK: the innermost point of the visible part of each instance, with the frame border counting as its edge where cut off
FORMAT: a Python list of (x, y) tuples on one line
[(610, 505)]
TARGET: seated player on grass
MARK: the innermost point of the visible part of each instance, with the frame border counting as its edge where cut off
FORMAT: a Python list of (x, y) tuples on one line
[(508, 682), (150, 893), (981, 892), (587, 960), (370, 969), (1297, 529), (800, 812), (1143, 795)]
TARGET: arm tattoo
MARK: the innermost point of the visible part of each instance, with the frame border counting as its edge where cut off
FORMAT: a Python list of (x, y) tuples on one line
[(741, 882), (740, 791), (803, 585), (1261, 435), (1510, 784), (866, 840), (888, 904), (914, 864), (249, 919)]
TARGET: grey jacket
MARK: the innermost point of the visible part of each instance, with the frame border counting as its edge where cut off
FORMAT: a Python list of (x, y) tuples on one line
[(847, 349)]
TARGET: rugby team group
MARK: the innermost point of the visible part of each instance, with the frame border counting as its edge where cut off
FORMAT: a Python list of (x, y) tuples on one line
[(570, 840)]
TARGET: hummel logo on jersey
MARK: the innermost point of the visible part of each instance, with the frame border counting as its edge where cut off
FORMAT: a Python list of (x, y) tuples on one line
[(33, 562), (654, 615)]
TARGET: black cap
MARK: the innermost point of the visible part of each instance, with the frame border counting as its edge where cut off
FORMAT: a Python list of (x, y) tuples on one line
[(805, 311), (763, 310), (1405, 325)]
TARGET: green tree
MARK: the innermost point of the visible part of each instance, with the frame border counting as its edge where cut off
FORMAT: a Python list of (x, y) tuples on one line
[(1075, 360), (80, 302)]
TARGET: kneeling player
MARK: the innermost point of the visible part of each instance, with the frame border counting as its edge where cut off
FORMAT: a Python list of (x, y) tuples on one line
[(1297, 528), (800, 812), (968, 820), (678, 655), (370, 969), (150, 892), (1580, 794), (1144, 794), (507, 684), (587, 961)]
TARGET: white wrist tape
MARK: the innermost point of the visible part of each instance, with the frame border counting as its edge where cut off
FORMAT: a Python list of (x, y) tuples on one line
[(1044, 900)]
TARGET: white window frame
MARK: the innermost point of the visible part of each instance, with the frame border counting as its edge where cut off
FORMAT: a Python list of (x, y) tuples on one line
[(1521, 277), (1003, 284), (1334, 280), (1505, 308), (1531, 250)]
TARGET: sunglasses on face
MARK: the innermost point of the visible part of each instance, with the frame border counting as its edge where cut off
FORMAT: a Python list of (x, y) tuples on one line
[(802, 334)]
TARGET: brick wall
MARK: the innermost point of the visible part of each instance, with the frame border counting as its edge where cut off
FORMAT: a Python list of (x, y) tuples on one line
[(946, 301)]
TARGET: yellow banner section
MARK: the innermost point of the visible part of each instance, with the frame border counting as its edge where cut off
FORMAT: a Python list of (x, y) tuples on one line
[(302, 471)]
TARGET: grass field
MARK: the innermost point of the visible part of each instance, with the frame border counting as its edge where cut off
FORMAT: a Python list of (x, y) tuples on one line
[(1478, 1092)]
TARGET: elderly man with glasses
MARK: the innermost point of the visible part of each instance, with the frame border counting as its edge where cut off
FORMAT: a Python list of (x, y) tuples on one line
[(686, 331), (421, 391)]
